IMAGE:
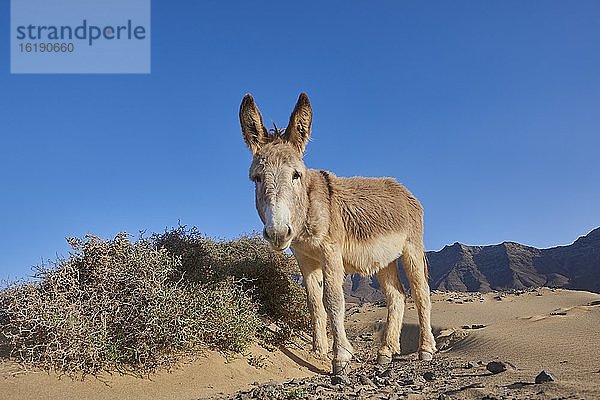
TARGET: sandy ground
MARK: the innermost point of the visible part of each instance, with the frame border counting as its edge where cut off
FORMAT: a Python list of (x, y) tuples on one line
[(209, 375), (556, 330)]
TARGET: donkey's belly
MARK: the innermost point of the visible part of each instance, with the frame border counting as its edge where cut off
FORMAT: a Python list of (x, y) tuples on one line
[(368, 257)]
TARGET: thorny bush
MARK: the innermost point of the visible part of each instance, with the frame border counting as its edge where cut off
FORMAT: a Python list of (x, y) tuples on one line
[(137, 306)]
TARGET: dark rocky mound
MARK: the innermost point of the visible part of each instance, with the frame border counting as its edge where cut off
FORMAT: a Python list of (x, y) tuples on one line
[(502, 267)]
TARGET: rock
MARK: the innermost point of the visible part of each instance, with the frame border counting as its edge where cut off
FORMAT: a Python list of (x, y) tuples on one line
[(243, 396), (544, 376), (383, 359), (379, 381), (365, 380), (474, 326), (495, 367), (429, 376), (471, 364), (388, 373)]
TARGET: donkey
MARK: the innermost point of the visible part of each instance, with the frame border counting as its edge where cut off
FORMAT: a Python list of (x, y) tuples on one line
[(335, 225)]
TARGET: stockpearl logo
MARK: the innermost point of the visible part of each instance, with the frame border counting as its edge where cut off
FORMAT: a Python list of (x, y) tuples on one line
[(75, 36)]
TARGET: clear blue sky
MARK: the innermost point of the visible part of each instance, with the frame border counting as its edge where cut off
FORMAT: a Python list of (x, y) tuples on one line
[(488, 111)]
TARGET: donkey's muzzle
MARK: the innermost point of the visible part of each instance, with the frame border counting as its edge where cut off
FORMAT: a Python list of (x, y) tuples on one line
[(279, 237)]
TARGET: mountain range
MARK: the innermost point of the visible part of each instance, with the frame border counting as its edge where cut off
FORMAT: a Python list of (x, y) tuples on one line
[(503, 266)]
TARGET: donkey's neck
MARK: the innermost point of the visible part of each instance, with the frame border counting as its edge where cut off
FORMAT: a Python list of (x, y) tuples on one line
[(318, 217)]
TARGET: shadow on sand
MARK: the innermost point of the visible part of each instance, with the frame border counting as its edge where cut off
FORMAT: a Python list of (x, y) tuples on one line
[(302, 362), (4, 348), (409, 338)]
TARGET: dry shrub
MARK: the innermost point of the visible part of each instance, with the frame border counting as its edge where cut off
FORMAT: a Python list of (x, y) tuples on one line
[(271, 277), (117, 304)]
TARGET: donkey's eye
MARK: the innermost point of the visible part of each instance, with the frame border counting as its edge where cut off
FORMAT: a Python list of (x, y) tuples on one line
[(296, 175)]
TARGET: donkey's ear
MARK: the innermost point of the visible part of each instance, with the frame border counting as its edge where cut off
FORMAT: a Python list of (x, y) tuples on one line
[(255, 133), (298, 130)]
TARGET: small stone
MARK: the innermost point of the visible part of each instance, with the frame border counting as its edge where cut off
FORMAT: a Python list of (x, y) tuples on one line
[(379, 381), (429, 376), (471, 364), (495, 367), (474, 326), (544, 376), (365, 380), (388, 373), (383, 359)]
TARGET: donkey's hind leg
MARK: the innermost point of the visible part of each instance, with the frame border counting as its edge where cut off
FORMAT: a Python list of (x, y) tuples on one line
[(395, 298), (413, 260)]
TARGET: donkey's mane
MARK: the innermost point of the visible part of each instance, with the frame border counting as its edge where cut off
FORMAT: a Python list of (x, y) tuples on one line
[(276, 133)]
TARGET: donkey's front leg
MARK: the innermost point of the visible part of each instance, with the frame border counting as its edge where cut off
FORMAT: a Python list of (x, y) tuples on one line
[(333, 297), (313, 283)]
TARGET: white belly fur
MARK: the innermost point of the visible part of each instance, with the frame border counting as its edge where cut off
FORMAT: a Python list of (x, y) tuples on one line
[(368, 257)]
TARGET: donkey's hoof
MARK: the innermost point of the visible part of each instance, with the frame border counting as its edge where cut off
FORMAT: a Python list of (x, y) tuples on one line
[(341, 369), (383, 359), (425, 356), (341, 379)]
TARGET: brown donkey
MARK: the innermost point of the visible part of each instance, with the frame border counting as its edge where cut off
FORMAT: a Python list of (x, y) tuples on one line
[(336, 225)]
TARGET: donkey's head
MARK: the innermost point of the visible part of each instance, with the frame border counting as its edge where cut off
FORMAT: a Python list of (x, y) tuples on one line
[(278, 170)]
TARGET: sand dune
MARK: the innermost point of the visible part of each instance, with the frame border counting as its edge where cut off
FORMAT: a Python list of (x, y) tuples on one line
[(556, 330)]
